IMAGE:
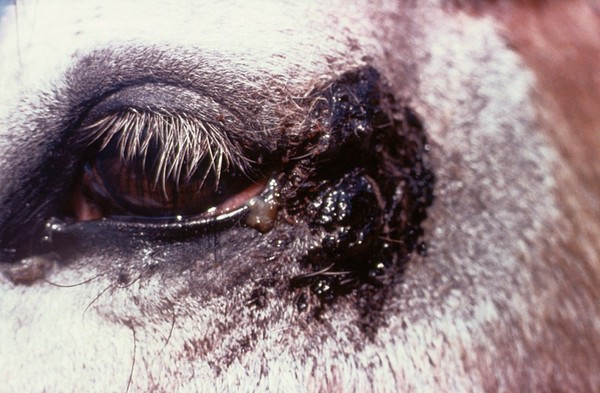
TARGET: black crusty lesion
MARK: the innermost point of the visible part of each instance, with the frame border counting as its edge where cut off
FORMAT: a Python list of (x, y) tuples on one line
[(358, 177)]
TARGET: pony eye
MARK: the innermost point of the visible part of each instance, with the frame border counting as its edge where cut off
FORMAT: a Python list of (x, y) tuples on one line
[(155, 166)]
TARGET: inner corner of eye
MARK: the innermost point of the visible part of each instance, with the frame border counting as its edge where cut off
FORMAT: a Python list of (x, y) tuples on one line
[(160, 167)]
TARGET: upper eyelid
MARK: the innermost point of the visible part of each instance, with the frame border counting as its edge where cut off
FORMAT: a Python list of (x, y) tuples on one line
[(240, 89), (260, 100), (159, 106)]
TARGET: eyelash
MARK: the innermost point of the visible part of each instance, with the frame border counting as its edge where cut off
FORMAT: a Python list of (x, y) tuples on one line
[(183, 142), (153, 164)]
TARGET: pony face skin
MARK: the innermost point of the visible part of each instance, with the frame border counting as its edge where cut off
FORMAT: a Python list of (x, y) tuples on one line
[(321, 196)]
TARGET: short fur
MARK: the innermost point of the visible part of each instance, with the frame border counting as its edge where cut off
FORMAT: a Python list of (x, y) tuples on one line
[(506, 298)]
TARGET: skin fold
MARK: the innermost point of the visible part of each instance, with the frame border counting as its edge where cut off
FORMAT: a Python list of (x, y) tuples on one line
[(495, 289)]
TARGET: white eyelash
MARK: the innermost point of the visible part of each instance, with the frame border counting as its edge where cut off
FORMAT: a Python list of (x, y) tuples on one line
[(186, 144)]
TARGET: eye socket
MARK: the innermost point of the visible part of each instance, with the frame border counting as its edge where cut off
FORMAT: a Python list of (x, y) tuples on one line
[(145, 165)]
